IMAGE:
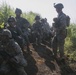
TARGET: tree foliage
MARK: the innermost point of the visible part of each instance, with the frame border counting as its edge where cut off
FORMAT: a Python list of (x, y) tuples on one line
[(30, 16), (6, 11), (70, 42)]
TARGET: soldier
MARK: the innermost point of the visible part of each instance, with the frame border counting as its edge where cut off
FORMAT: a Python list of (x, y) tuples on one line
[(16, 32), (12, 53), (46, 27), (60, 31), (24, 25), (37, 30)]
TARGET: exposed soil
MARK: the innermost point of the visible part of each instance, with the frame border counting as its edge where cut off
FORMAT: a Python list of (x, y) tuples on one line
[(41, 62)]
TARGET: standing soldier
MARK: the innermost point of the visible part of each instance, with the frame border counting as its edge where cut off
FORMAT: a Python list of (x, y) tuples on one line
[(60, 31), (37, 30), (24, 25), (12, 54)]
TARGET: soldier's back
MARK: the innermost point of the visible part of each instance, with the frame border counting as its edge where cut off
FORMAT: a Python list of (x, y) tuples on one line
[(37, 25)]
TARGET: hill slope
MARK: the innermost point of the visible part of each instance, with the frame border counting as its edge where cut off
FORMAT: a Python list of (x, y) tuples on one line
[(41, 62)]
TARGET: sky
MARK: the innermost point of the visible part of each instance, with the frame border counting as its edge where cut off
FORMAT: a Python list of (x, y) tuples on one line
[(45, 7)]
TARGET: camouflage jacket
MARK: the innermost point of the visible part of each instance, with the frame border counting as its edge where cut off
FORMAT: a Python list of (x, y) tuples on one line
[(16, 31), (15, 53), (22, 23), (46, 28), (37, 26), (61, 24)]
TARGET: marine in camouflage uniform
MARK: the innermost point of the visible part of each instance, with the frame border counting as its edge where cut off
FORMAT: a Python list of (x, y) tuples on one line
[(47, 33), (46, 28), (60, 31), (24, 25), (37, 30), (12, 54), (16, 32)]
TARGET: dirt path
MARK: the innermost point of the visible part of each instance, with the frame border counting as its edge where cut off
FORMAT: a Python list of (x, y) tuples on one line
[(41, 62)]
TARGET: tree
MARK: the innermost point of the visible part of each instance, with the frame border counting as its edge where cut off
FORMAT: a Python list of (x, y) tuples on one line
[(30, 16), (5, 12)]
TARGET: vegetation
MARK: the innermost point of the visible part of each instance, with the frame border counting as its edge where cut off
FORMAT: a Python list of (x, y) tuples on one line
[(6, 11), (70, 42)]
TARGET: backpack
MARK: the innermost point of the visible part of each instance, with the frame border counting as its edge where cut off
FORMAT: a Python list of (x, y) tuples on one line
[(67, 20)]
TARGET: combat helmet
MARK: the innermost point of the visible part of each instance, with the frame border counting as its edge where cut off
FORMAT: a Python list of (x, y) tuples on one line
[(6, 32), (11, 19), (18, 11), (42, 20), (59, 6), (37, 17)]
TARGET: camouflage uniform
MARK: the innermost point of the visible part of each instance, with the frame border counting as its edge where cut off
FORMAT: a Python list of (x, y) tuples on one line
[(46, 28), (37, 30), (13, 53), (16, 32), (60, 32), (24, 25)]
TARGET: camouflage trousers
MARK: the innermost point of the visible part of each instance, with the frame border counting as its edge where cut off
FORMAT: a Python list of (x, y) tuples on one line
[(58, 44), (26, 37)]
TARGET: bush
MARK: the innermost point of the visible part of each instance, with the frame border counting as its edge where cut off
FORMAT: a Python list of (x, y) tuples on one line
[(70, 42)]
